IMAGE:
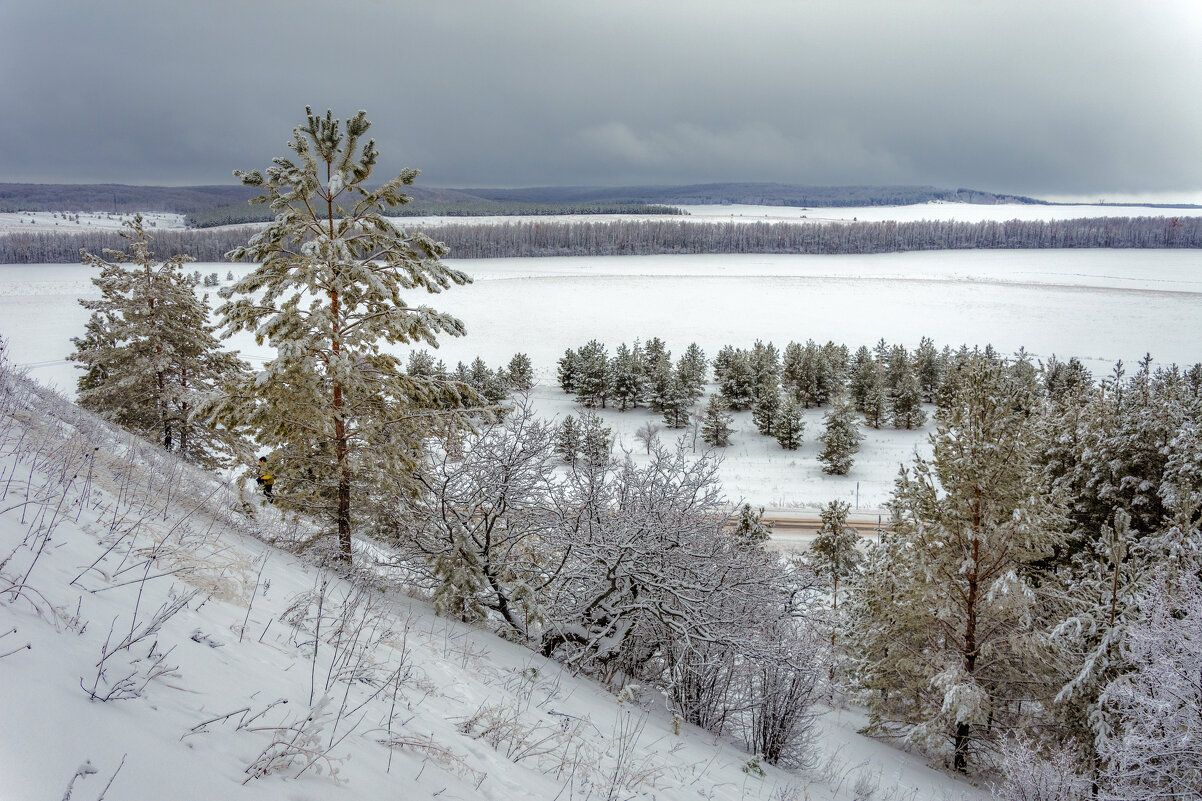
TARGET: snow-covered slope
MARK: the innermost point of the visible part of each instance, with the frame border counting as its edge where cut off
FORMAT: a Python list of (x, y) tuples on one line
[(153, 644)]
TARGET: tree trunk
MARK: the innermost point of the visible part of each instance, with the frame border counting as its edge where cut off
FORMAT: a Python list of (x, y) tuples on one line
[(344, 513), (961, 737), (340, 437)]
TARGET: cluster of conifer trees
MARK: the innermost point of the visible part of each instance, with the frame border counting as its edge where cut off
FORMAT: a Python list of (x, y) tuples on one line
[(886, 384), (493, 385), (647, 237), (1002, 622)]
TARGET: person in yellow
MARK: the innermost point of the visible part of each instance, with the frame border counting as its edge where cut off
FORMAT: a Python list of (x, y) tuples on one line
[(265, 479)]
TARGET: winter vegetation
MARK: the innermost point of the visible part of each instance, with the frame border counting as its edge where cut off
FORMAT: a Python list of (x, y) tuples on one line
[(337, 411), (888, 385), (1030, 621), (629, 237), (241, 214), (161, 629), (190, 199)]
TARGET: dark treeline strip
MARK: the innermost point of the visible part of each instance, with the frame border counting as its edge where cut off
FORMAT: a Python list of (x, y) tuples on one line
[(243, 213), (42, 248), (118, 198), (121, 198), (648, 237)]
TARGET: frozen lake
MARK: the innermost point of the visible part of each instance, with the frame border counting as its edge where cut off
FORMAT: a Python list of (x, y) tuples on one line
[(1099, 305)]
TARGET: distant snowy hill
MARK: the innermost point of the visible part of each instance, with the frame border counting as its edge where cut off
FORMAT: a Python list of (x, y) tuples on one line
[(154, 643)]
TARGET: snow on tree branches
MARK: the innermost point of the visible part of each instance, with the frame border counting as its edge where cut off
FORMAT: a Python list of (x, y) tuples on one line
[(334, 406)]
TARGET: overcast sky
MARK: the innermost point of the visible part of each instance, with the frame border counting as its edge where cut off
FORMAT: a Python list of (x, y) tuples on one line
[(1051, 97)]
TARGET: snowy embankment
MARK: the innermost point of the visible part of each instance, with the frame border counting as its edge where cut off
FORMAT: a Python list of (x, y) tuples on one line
[(154, 645)]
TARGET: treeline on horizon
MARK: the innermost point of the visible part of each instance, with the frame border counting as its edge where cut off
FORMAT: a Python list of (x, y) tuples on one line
[(527, 239), (242, 214), (233, 200)]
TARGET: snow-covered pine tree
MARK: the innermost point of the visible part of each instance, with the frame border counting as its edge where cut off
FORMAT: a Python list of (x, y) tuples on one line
[(421, 362), (1092, 604), (876, 400), (834, 379), (737, 386), (840, 439), (807, 378), (1130, 449), (765, 407), (568, 369), (835, 558), (970, 523), (567, 440), (520, 373), (716, 423), (833, 554), (652, 351), (765, 363), (905, 402), (692, 368), (788, 426), (627, 378), (596, 439), (863, 374), (335, 408), (929, 368), (658, 383), (726, 355), (594, 375), (675, 401), (492, 385), (809, 373), (750, 528), (896, 365), (150, 356)]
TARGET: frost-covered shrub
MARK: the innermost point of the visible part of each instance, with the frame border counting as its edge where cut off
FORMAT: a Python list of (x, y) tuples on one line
[(1028, 775), (1156, 750)]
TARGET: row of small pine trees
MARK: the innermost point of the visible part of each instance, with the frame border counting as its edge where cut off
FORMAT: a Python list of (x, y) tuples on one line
[(886, 384)]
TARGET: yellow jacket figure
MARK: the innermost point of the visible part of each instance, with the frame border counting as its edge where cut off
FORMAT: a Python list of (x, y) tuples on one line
[(265, 479)]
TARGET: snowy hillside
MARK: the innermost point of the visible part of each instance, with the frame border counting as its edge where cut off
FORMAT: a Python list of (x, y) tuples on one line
[(154, 645)]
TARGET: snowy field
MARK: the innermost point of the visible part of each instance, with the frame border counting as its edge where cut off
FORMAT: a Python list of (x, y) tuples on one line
[(937, 210), (63, 222), (1099, 305), (60, 222), (152, 646), (959, 212)]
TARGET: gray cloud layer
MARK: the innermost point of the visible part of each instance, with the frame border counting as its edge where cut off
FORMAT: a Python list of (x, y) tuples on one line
[(1034, 97)]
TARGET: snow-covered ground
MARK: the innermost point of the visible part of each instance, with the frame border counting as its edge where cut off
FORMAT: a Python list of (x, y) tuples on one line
[(64, 222), (937, 210), (960, 212), (1099, 305), (60, 222), (150, 647)]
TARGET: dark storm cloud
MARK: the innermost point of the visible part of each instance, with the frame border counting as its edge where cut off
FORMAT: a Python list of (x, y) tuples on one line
[(1066, 97)]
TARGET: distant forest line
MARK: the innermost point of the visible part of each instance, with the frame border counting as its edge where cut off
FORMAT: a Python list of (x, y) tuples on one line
[(242, 214), (231, 202), (529, 238)]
